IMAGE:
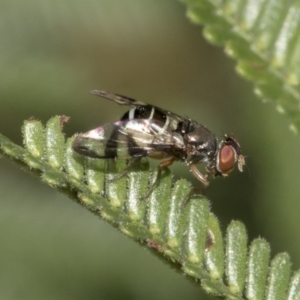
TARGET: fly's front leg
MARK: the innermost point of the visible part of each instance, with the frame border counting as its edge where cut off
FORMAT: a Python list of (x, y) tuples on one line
[(196, 190), (199, 175), (161, 166)]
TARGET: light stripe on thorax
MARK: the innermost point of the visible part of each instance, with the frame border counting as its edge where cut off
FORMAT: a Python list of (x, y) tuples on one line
[(167, 122), (134, 113)]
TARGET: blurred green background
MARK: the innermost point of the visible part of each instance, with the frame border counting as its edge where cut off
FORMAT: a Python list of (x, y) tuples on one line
[(51, 54)]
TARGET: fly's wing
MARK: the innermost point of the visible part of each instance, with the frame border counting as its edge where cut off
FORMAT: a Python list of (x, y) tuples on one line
[(124, 139), (124, 100)]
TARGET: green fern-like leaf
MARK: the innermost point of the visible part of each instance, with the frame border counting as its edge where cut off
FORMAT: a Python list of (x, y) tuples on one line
[(189, 236), (264, 38)]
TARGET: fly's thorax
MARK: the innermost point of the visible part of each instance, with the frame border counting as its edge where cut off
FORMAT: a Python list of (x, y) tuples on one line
[(201, 143), (165, 121), (145, 112)]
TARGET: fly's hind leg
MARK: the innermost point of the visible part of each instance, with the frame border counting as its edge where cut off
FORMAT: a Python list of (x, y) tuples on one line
[(131, 163), (164, 164)]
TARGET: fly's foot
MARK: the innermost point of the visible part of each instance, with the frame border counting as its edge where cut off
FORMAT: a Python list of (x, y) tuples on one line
[(194, 191)]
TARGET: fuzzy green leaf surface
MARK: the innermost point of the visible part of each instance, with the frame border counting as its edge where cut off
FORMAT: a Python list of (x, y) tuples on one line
[(264, 38), (188, 236)]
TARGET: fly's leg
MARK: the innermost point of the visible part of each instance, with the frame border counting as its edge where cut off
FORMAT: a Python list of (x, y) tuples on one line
[(131, 163), (196, 190), (161, 166), (199, 175)]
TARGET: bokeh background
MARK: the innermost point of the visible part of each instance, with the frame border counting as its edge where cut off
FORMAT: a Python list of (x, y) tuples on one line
[(51, 54)]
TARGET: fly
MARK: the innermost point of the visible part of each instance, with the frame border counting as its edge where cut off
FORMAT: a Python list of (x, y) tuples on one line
[(149, 131)]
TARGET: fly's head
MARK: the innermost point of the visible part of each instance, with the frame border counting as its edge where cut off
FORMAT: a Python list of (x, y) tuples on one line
[(227, 155)]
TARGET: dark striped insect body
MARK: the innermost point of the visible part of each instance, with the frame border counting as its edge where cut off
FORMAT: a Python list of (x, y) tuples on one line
[(149, 131)]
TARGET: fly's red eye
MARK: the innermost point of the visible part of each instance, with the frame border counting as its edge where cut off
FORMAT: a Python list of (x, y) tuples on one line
[(227, 159)]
